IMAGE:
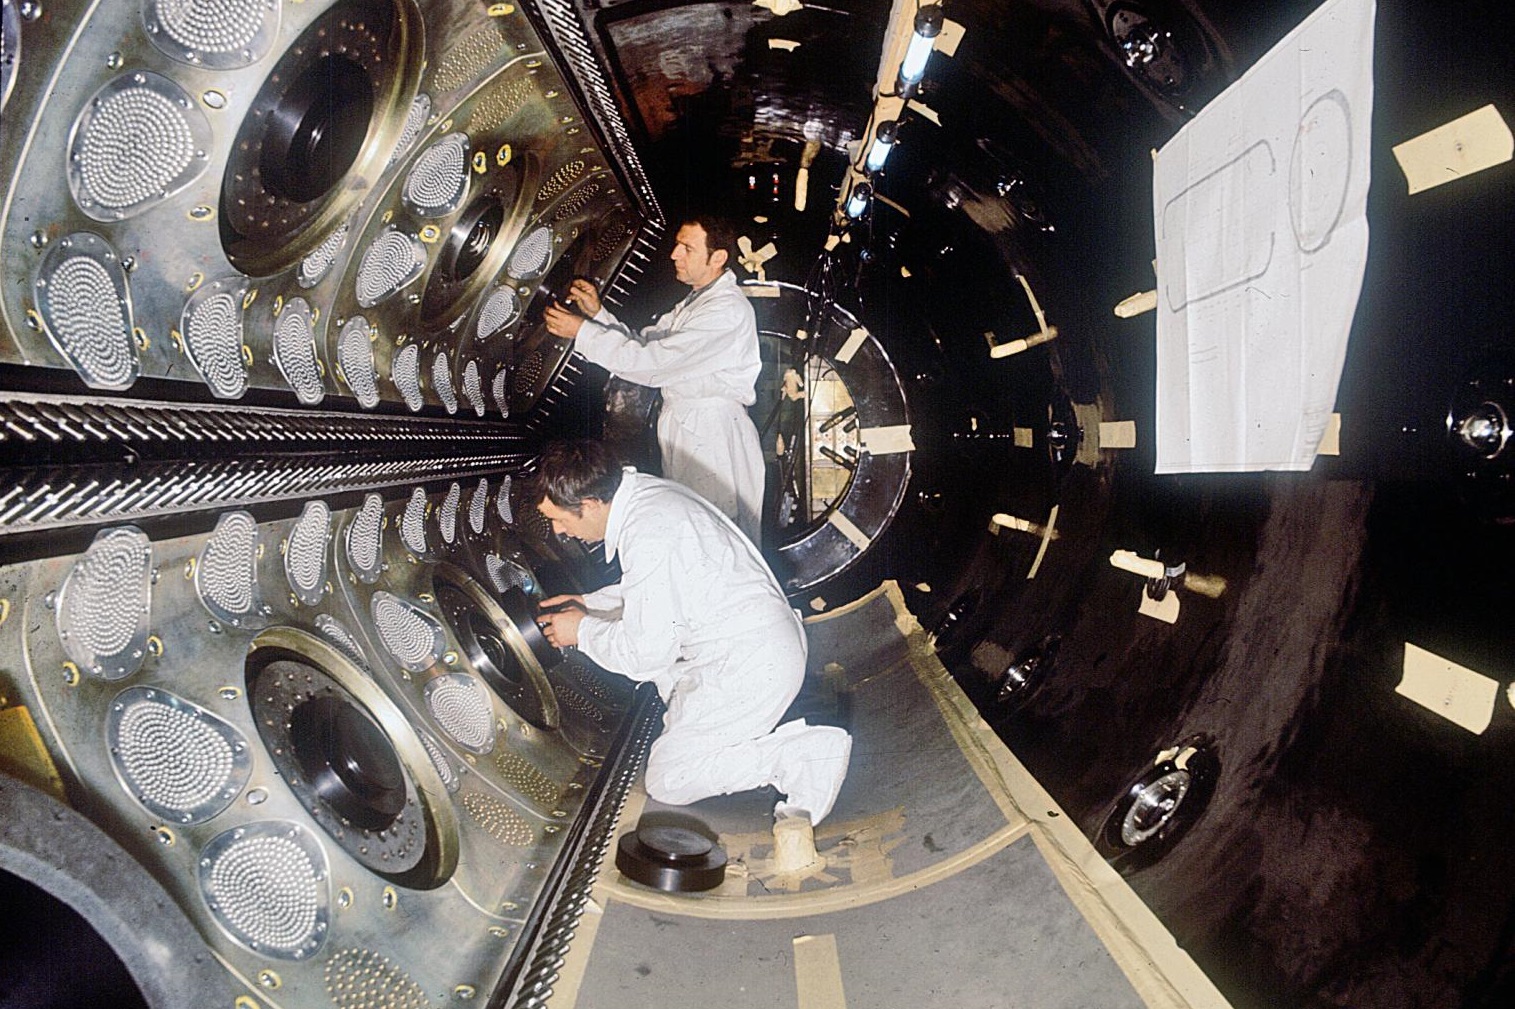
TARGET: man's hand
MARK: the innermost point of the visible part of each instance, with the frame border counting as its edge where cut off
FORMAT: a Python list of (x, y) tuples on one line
[(559, 618), (584, 294), (561, 322)]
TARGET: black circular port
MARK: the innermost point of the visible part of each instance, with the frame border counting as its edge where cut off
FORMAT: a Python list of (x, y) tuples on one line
[(348, 761), (1157, 809), (471, 238), (505, 647), (1026, 673), (316, 129), (492, 650)]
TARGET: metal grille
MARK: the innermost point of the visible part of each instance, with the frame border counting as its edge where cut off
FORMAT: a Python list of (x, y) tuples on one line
[(137, 141), (468, 58), (413, 523), (362, 979), (86, 310), (507, 575), (502, 308), (365, 537), (415, 121), (295, 351), (305, 553), (501, 396), (528, 373), (472, 388), (447, 514), (439, 761), (477, 504), (529, 258), (438, 177), (392, 261), (212, 325), (561, 179), (316, 265), (460, 704), (266, 884), (220, 34), (226, 575), (182, 763), (405, 373), (355, 352), (523, 776), (502, 501), (493, 110), (411, 636), (498, 820), (104, 603), (576, 202), (441, 380), (340, 636)]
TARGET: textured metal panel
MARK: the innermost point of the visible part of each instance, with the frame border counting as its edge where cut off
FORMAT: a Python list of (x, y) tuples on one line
[(103, 605), (180, 761)]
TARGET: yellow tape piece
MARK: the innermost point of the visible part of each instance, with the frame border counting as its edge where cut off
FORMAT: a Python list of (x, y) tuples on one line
[(1330, 441), (1135, 305), (1165, 609), (788, 45), (1117, 434), (845, 526), (1469, 144), (1454, 692), (887, 440), (855, 340), (1024, 437), (818, 972), (1048, 535)]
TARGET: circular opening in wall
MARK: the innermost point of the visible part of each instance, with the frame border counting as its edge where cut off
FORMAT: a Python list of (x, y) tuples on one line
[(1026, 673), (35, 927), (316, 128), (471, 239), (503, 644), (474, 247), (1157, 809), (348, 761)]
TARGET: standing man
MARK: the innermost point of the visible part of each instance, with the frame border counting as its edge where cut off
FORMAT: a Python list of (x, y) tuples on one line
[(698, 613), (703, 355)]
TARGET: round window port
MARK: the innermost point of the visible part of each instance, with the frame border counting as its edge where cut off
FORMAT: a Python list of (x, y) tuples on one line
[(501, 641), (316, 129), (1160, 805), (348, 761)]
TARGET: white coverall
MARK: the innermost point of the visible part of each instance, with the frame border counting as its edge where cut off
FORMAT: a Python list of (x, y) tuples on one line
[(698, 613), (703, 355)]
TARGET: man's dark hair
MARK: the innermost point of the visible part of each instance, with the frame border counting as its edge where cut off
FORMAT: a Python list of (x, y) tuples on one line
[(720, 234), (571, 472)]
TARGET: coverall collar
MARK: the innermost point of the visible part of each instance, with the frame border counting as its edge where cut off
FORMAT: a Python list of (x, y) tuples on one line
[(619, 502)]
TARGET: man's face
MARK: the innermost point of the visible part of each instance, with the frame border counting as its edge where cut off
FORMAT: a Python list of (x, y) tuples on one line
[(586, 523), (693, 262)]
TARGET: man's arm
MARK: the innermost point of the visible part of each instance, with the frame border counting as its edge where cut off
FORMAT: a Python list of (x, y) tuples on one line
[(644, 643), (702, 343)]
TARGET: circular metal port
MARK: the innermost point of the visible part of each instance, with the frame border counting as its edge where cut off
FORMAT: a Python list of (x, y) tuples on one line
[(1157, 809)]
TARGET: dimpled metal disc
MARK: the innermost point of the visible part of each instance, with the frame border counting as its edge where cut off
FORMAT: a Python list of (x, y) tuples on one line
[(182, 763), (498, 819), (226, 575), (461, 706), (478, 504), (405, 373), (218, 34), (576, 201), (338, 634), (441, 381), (447, 514), (318, 263), (528, 373), (526, 778), (355, 352), (305, 553), (415, 121), (103, 605), (502, 502), (502, 308), (267, 885), (438, 177), (362, 979), (472, 390), (560, 180), (365, 537), (211, 324), (137, 142), (509, 575), (531, 254), (413, 523), (501, 395), (86, 310), (439, 761), (295, 351), (413, 637), (392, 261)]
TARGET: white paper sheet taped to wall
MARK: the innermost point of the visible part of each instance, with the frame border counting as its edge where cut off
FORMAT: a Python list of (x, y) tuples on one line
[(1260, 212), (886, 440), (855, 340), (1468, 144), (1454, 692)]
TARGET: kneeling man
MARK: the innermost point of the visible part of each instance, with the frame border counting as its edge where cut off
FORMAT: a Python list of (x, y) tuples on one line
[(698, 613)]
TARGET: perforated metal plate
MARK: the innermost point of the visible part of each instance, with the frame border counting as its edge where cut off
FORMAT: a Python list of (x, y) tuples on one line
[(413, 637), (138, 141), (295, 351), (472, 389), (440, 762), (355, 353), (503, 100), (345, 641), (571, 700), (405, 373), (182, 763), (413, 523), (218, 34), (575, 202), (415, 122), (438, 179), (441, 381), (267, 885), (305, 553), (365, 540), (478, 505), (86, 310), (529, 259), (447, 514), (211, 327), (393, 260), (362, 979), (501, 394), (461, 706), (499, 820), (565, 176), (502, 501), (526, 778), (507, 574), (226, 574), (501, 309), (318, 263), (103, 605), (527, 374)]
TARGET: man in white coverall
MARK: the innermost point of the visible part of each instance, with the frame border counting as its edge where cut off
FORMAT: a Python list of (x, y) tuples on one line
[(703, 355), (698, 613)]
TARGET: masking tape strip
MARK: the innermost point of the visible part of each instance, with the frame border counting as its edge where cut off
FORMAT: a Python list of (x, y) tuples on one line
[(801, 188), (1023, 437), (1135, 305), (950, 35), (886, 201), (1164, 609), (1117, 434), (886, 440), (1481, 139), (787, 45), (845, 526), (1127, 560), (925, 111), (1454, 692), (1330, 441), (761, 290), (1047, 535), (818, 972), (855, 340)]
